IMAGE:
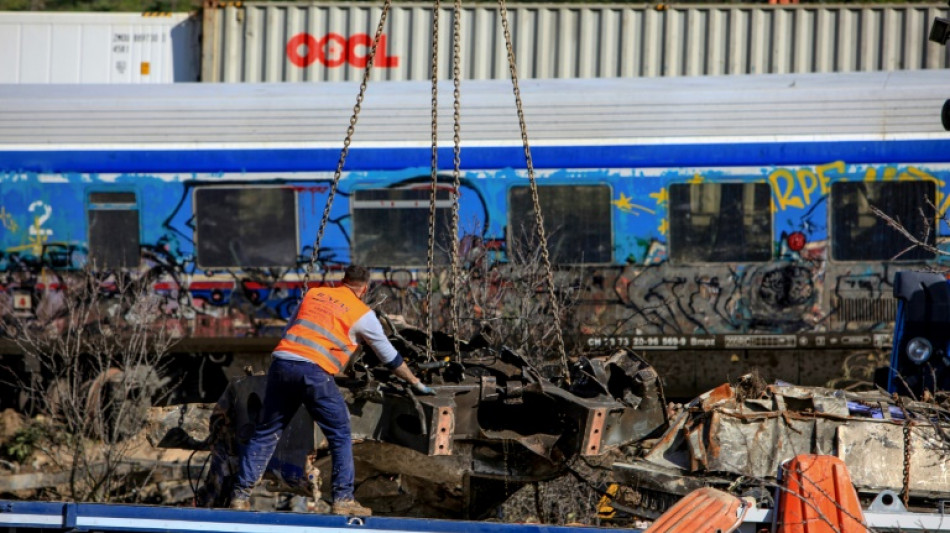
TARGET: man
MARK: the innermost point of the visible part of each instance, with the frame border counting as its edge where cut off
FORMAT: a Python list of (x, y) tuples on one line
[(318, 341)]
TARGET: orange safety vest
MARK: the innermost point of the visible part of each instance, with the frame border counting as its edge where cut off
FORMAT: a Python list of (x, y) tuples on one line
[(321, 330)]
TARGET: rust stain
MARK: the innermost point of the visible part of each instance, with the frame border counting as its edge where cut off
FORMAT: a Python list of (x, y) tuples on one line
[(445, 428), (720, 394), (595, 431)]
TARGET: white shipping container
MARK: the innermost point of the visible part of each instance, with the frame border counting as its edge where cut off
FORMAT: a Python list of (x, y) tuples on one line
[(322, 41), (44, 47)]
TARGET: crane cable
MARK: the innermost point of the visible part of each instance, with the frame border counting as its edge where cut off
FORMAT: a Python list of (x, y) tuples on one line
[(350, 130), (539, 220)]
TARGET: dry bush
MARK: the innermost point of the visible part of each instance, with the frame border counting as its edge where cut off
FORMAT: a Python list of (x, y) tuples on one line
[(94, 345), (507, 301)]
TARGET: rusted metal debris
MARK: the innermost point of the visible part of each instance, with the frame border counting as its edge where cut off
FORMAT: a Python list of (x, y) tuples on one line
[(738, 441), (494, 424)]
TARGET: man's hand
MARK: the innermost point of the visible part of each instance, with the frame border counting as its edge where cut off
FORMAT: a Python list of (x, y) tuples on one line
[(421, 388)]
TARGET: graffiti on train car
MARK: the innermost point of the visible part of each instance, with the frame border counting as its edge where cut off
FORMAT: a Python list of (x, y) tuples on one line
[(708, 252)]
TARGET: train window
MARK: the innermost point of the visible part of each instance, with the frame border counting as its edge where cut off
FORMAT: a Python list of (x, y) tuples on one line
[(720, 222), (113, 219), (860, 235), (246, 227), (391, 227), (577, 221)]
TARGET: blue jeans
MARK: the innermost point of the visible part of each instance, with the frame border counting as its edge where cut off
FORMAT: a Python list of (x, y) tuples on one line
[(289, 384)]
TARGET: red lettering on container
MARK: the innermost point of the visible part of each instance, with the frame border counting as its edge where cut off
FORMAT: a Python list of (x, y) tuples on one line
[(333, 50), (293, 49)]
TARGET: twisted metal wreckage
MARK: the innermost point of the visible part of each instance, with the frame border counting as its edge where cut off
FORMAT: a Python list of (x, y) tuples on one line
[(494, 424), (738, 438)]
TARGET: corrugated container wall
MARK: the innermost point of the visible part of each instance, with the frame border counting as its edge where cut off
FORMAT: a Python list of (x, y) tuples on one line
[(98, 47), (275, 41)]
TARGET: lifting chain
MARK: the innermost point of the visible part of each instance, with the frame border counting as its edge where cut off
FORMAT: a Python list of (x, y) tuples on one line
[(907, 451), (456, 171), (905, 494), (346, 146), (539, 220), (435, 176)]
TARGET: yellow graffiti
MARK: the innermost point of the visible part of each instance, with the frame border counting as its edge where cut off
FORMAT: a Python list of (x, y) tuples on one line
[(661, 197), (664, 227), (796, 190), (696, 179), (38, 236), (888, 175), (31, 247), (7, 220), (801, 187), (942, 201), (625, 204)]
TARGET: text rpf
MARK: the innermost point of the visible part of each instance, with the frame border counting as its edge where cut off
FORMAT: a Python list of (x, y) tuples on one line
[(333, 50)]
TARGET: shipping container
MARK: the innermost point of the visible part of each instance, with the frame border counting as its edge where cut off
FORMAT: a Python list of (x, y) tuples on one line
[(280, 41), (42, 47)]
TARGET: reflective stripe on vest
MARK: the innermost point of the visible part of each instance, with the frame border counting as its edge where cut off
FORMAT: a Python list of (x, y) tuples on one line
[(322, 331), (309, 343)]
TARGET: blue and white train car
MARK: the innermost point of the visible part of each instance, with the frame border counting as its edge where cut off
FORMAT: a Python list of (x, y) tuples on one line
[(726, 222)]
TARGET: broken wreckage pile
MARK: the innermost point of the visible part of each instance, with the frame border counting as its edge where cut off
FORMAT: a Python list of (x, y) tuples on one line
[(738, 441), (494, 424), (497, 424)]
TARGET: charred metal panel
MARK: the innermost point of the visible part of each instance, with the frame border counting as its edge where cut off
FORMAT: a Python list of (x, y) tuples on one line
[(874, 452), (758, 445)]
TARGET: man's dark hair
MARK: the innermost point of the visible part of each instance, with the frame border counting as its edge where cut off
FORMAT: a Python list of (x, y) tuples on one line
[(356, 275)]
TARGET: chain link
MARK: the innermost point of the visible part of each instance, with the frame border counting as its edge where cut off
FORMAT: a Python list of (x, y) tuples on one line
[(504, 462), (905, 495), (436, 7), (350, 130), (456, 171), (539, 220)]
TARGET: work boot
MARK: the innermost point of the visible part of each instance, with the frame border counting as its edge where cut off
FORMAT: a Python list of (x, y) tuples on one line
[(351, 508), (240, 504)]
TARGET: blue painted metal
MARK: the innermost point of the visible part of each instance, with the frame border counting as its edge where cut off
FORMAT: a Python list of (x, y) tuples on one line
[(894, 369), (119, 518), (475, 158), (923, 312)]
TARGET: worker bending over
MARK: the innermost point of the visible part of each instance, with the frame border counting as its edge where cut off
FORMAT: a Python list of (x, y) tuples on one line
[(319, 340)]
